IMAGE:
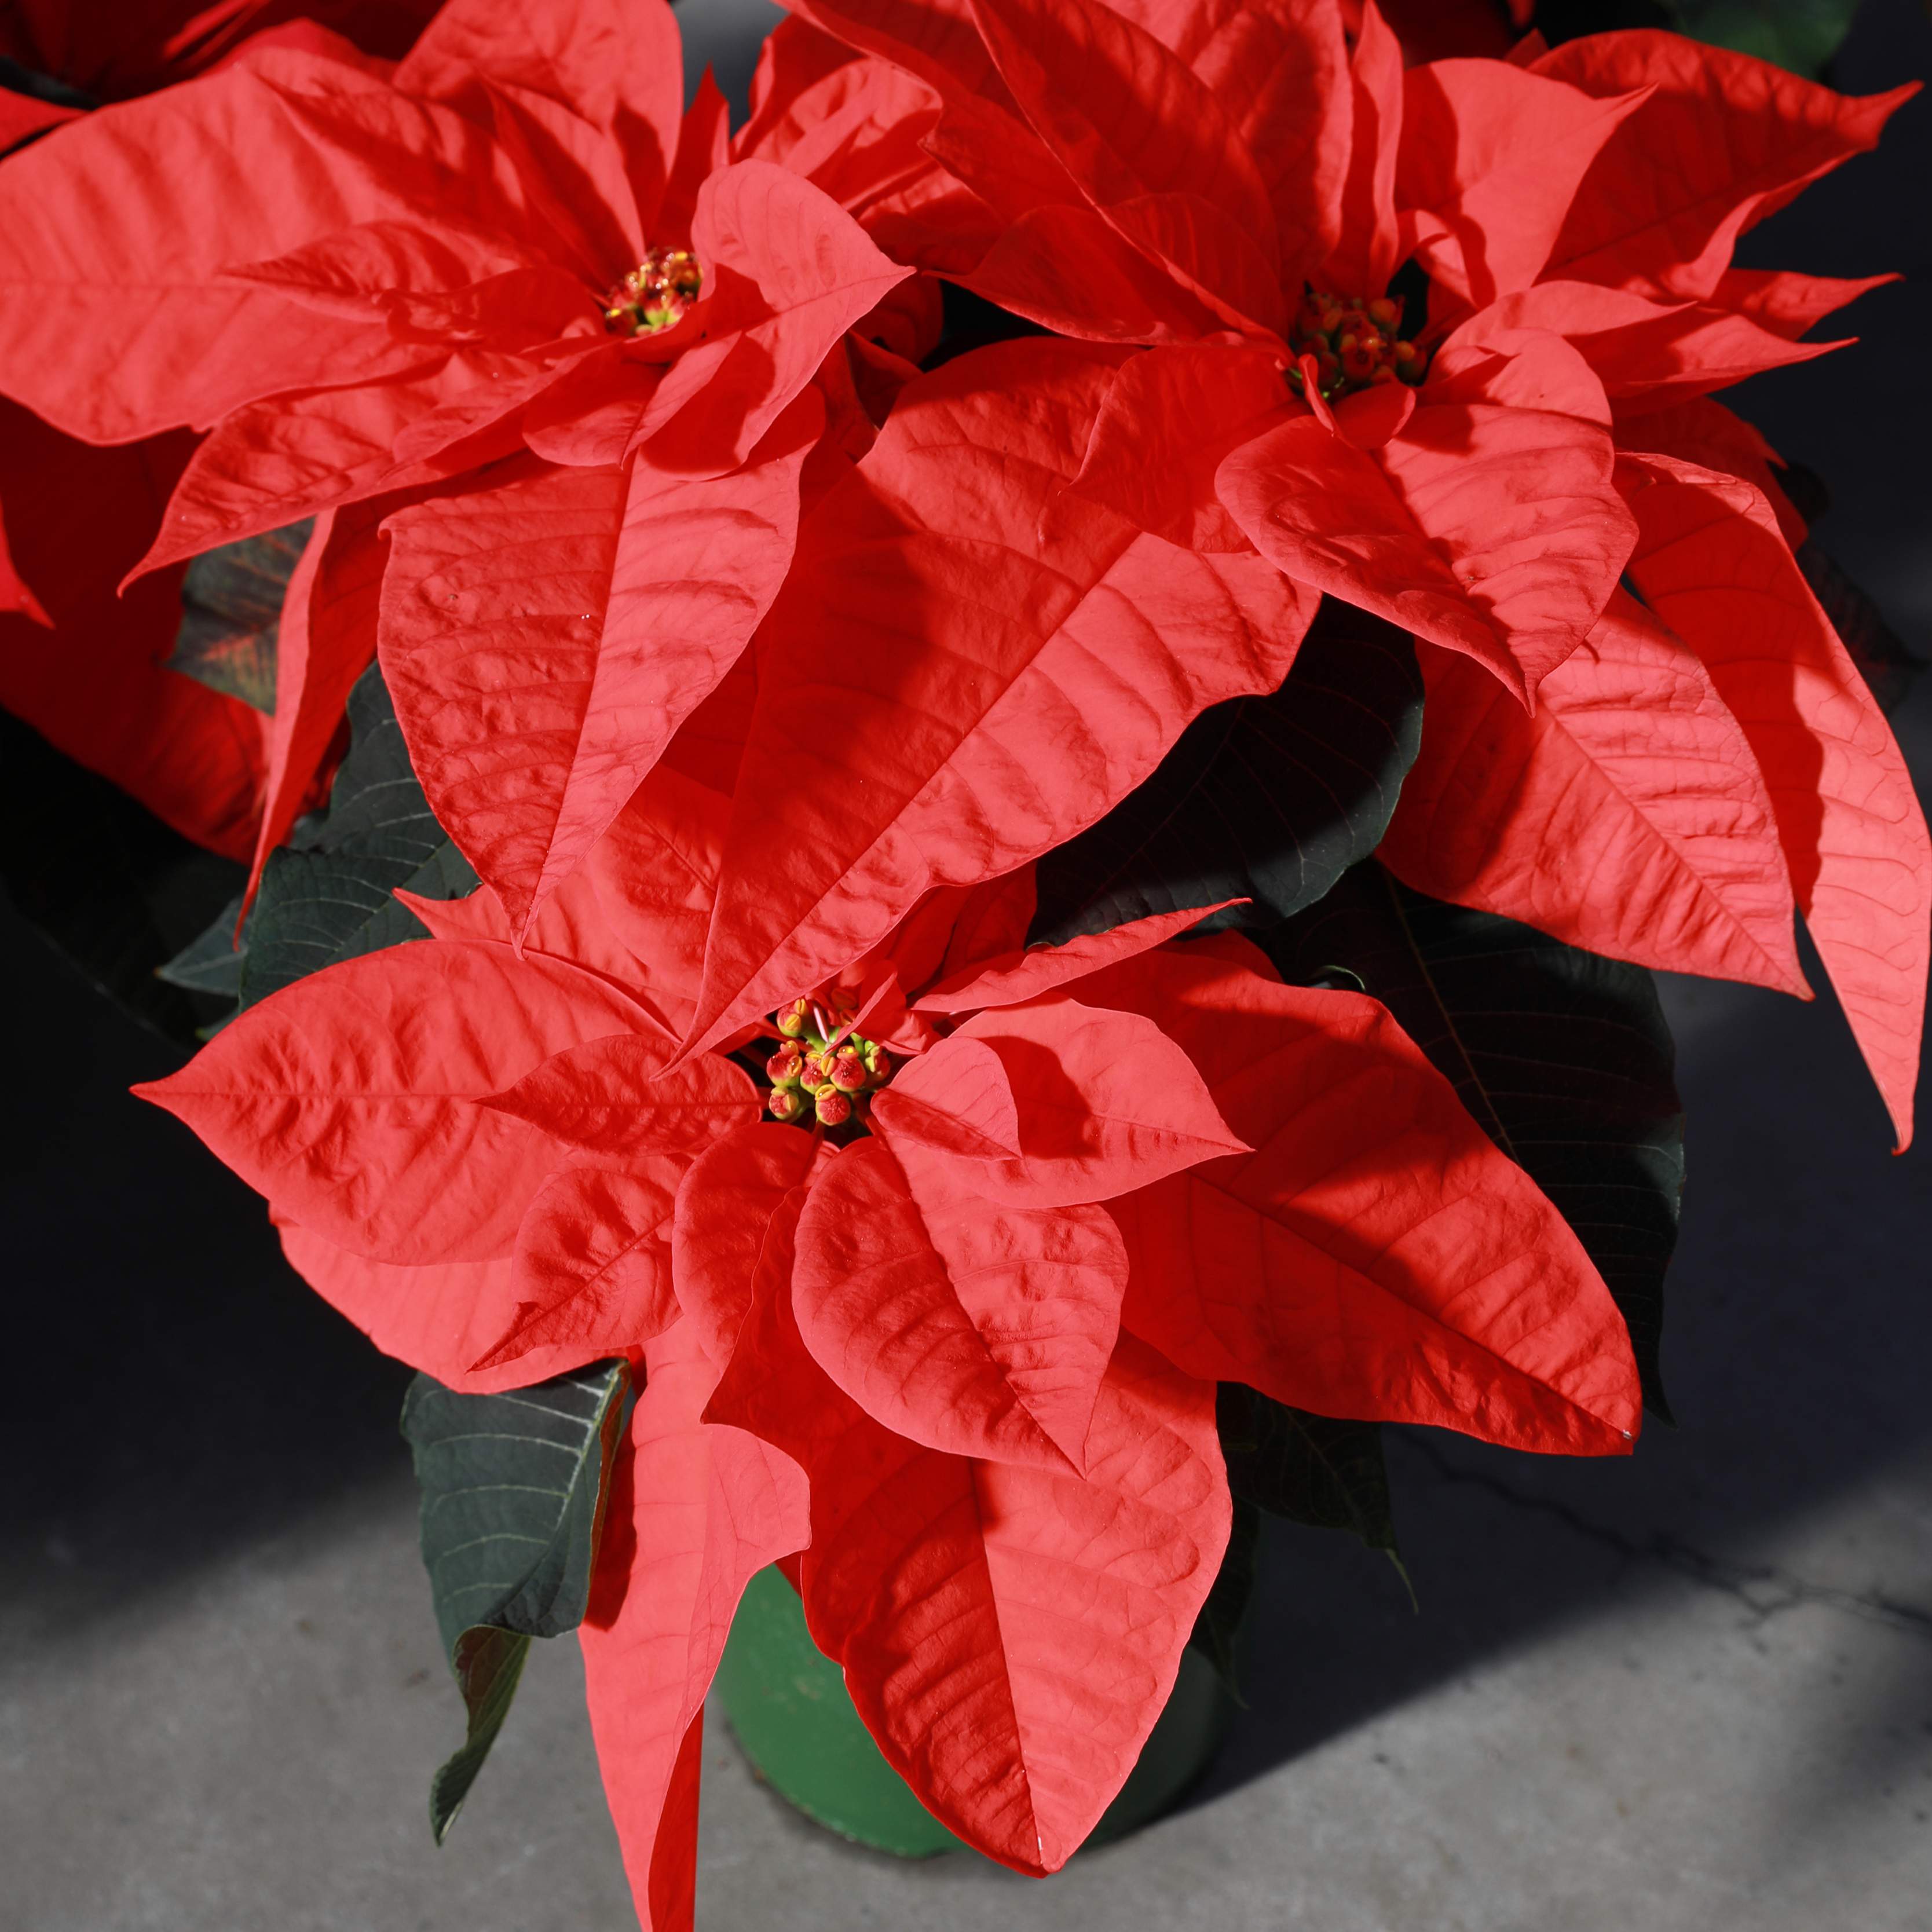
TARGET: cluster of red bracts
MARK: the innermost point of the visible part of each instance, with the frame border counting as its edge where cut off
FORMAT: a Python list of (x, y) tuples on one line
[(753, 668)]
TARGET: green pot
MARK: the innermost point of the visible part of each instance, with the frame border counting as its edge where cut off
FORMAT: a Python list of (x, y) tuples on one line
[(788, 1706)]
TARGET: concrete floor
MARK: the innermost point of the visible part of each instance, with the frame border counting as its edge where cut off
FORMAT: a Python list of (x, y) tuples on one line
[(1694, 1690)]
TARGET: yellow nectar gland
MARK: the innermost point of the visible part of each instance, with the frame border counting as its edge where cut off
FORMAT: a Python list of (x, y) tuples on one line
[(1354, 343), (655, 295), (811, 1075)]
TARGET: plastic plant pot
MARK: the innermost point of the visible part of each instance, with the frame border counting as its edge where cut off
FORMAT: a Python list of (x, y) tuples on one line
[(788, 1706)]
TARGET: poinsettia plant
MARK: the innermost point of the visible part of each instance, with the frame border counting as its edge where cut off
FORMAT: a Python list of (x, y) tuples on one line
[(1015, 744)]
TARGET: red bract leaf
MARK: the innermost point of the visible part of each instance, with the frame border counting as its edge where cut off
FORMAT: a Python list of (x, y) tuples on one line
[(1375, 1256), (1125, 117), (1649, 355), (591, 1268), (618, 63), (94, 684), (544, 640), (1704, 432), (1787, 304), (122, 202), (1008, 1634), (1102, 1102), (696, 1512), (571, 927), (936, 39), (1279, 70), (612, 1096), (21, 116), (1712, 565), (1368, 243), (944, 692), (1221, 395), (1013, 976), (654, 873), (355, 1099), (954, 1098), (1492, 157), (1489, 527), (970, 1326), (726, 1206), (437, 1318), (1627, 816), (15, 594), (1724, 141)]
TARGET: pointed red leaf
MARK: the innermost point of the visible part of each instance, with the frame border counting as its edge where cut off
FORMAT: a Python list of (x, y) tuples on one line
[(697, 1511), (591, 1268), (1103, 1102), (438, 1317), (1649, 355), (1368, 243), (612, 1096), (1013, 976), (876, 770), (354, 1098), (1008, 1634), (1486, 526), (544, 639), (1724, 141), (967, 1324), (1711, 563), (152, 198), (1627, 816), (572, 926), (954, 1098), (1376, 1256), (726, 1206), (654, 873), (1492, 156)]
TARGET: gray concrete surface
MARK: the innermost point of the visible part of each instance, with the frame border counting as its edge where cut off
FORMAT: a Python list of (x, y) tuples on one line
[(1690, 1692)]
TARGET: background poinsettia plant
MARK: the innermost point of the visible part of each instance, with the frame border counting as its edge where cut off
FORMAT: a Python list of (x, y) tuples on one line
[(970, 698)]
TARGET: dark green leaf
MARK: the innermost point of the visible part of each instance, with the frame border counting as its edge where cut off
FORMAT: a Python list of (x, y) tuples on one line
[(1270, 798), (114, 889), (213, 963), (1311, 1469), (513, 1487), (326, 896), (1217, 1632), (232, 614), (489, 1665), (1563, 1057), (1800, 35)]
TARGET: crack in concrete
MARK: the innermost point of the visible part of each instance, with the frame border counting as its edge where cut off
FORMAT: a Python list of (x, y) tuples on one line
[(1765, 1590)]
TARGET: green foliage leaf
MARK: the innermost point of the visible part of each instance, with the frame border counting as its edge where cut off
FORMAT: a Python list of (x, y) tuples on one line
[(1800, 35), (1270, 798), (1311, 1469), (1217, 1630), (232, 614), (326, 895), (513, 1487), (111, 887), (1563, 1057)]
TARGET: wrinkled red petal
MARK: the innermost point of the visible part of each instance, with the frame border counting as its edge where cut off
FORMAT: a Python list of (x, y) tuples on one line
[(1712, 565), (355, 1099), (698, 1509), (1376, 1256), (969, 1326), (612, 1096), (1628, 816)]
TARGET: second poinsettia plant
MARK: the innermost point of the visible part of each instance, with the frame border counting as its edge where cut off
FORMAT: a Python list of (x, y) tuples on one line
[(968, 896)]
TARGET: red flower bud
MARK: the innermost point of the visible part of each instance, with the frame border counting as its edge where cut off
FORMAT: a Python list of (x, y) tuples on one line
[(879, 1065), (848, 1071), (785, 1103), (834, 1109), (784, 1066), (791, 1020)]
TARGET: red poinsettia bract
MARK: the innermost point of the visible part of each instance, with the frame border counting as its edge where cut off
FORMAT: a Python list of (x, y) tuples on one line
[(963, 1366), (1235, 187), (364, 284)]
